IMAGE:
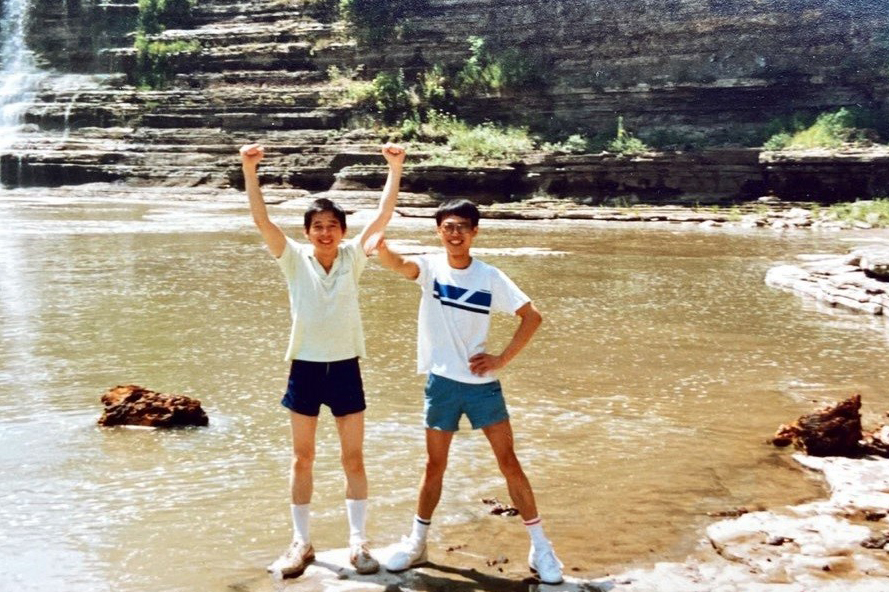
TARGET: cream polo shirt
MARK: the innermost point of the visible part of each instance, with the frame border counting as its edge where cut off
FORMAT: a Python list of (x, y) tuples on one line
[(326, 321)]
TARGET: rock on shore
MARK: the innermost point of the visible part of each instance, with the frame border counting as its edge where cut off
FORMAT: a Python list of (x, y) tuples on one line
[(833, 545), (858, 280)]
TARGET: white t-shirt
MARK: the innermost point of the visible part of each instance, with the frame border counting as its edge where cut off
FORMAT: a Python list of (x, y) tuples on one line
[(455, 314), (326, 321)]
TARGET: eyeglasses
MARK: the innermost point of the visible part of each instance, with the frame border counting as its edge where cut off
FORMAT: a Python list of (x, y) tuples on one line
[(458, 228)]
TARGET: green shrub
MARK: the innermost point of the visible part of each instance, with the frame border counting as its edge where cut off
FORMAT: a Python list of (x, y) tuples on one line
[(625, 143), (376, 21), (573, 144), (480, 74), (778, 141), (451, 141), (349, 91), (874, 212), (157, 15), (432, 91), (490, 69), (667, 139), (787, 124), (154, 60), (829, 130), (390, 96)]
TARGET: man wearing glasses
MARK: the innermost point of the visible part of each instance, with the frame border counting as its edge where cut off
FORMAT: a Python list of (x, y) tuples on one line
[(459, 294)]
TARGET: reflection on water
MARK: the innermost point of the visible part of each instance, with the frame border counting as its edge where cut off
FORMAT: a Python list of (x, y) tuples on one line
[(643, 404)]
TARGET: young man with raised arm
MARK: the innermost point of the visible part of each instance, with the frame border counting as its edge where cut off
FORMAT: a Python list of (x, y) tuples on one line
[(459, 293), (326, 342)]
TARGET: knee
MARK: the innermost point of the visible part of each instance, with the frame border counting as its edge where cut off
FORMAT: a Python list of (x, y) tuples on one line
[(353, 463), (435, 468), (509, 464), (303, 460)]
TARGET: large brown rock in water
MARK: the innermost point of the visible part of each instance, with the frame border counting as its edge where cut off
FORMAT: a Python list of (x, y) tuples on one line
[(832, 431), (134, 405)]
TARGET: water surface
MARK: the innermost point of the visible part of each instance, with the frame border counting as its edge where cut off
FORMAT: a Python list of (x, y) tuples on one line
[(643, 403)]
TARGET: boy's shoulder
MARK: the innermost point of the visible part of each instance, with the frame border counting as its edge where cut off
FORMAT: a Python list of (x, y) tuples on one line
[(485, 267)]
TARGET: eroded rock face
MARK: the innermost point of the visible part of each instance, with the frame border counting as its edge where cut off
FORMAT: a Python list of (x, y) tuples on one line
[(874, 261), (134, 405), (813, 545), (685, 70), (850, 281)]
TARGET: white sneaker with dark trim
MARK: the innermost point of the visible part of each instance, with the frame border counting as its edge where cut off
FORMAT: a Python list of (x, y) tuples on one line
[(294, 560), (410, 552), (545, 565)]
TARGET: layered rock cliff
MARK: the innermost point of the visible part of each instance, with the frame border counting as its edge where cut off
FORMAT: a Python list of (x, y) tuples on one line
[(694, 71), (698, 69)]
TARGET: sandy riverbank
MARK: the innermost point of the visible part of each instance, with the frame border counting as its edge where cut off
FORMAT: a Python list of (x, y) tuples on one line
[(836, 544)]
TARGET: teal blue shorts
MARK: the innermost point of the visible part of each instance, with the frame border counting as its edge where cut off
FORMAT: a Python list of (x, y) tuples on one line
[(447, 400)]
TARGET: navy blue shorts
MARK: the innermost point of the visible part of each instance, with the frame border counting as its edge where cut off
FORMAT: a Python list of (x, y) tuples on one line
[(335, 384)]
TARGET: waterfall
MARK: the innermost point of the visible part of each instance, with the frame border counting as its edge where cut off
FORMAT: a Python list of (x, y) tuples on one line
[(18, 73), (67, 130)]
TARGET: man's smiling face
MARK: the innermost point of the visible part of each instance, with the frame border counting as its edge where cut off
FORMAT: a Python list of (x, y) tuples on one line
[(325, 232), (456, 234)]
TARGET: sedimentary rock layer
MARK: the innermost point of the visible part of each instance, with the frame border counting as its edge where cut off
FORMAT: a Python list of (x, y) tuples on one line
[(680, 72), (855, 281)]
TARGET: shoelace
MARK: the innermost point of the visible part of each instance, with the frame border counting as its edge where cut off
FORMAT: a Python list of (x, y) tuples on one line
[(409, 544)]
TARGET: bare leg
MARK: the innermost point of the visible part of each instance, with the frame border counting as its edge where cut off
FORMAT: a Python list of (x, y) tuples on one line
[(412, 550), (351, 431), (302, 429), (500, 437), (438, 444)]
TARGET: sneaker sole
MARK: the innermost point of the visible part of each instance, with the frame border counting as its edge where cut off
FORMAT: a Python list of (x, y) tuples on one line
[(296, 572), (542, 581), (421, 560)]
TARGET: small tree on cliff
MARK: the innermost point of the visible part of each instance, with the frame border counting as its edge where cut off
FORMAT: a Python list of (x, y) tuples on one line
[(625, 143), (153, 67), (375, 21), (157, 15)]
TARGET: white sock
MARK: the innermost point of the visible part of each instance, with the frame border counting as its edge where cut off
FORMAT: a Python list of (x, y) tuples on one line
[(420, 529), (357, 512), (300, 515), (535, 531)]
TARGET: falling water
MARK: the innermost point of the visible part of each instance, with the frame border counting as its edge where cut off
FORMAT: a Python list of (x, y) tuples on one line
[(67, 131), (18, 72)]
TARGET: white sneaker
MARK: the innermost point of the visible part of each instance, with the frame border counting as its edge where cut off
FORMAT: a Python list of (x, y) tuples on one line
[(410, 552), (294, 560), (545, 565)]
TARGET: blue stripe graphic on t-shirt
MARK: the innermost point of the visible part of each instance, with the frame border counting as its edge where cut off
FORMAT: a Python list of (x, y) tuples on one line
[(449, 292), (479, 301)]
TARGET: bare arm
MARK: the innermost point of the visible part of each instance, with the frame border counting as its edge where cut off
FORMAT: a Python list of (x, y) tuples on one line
[(395, 262), (483, 363), (274, 237), (394, 156)]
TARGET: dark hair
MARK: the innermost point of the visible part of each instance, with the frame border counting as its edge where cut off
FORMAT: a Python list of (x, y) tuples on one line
[(322, 204), (458, 207)]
